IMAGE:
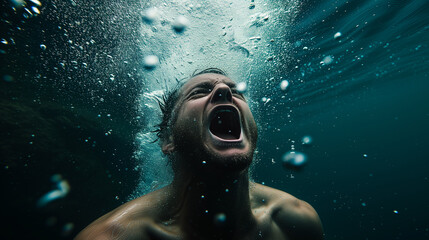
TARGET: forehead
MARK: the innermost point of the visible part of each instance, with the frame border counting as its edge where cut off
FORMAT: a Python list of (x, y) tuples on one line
[(207, 78)]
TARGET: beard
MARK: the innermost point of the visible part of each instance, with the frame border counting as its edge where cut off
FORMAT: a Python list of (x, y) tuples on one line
[(235, 163), (199, 157)]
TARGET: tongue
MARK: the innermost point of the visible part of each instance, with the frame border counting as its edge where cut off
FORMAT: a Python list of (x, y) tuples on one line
[(225, 136), (225, 125)]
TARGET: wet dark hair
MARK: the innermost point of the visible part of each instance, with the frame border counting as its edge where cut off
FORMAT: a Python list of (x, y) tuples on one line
[(169, 100)]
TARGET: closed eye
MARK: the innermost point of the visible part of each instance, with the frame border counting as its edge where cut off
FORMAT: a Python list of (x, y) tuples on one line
[(236, 93), (199, 92)]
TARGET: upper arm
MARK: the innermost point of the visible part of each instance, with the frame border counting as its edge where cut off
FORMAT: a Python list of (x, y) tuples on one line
[(100, 231), (298, 220)]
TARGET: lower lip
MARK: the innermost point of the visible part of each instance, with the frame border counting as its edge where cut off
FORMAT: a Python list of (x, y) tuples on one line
[(227, 142)]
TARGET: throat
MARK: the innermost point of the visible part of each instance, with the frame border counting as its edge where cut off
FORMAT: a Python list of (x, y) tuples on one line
[(226, 125), (216, 207)]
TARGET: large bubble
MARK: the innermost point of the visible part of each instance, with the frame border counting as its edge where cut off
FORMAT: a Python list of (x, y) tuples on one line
[(294, 160)]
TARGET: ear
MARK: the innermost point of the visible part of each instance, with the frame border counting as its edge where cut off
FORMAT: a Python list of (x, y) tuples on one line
[(168, 146)]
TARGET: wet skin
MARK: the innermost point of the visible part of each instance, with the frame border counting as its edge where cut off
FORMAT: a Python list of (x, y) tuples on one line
[(211, 196), (201, 96)]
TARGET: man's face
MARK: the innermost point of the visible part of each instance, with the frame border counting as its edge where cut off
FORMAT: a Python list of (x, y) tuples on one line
[(214, 123)]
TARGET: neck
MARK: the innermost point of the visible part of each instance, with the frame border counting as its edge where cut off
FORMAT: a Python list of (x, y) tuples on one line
[(213, 205)]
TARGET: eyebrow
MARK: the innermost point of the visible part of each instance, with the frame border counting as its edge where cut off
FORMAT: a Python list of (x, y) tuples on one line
[(211, 85)]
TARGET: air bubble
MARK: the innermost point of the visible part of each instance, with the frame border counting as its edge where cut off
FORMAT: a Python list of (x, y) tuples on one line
[(43, 46), (220, 218), (35, 10), (327, 60), (62, 190), (284, 85), (27, 14), (337, 35), (36, 2), (18, 3), (180, 24), (67, 229), (307, 140), (151, 61), (242, 87), (294, 160), (265, 100), (150, 15), (7, 78)]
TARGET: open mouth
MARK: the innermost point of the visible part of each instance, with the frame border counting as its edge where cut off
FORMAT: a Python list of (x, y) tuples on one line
[(225, 123)]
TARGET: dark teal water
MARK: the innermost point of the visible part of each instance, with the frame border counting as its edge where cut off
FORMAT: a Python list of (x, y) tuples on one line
[(76, 105), (367, 113)]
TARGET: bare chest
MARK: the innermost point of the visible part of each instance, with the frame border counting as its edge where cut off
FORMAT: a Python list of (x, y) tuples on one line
[(172, 232)]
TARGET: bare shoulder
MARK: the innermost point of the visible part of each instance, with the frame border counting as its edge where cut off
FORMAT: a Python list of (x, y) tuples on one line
[(136, 219), (296, 218)]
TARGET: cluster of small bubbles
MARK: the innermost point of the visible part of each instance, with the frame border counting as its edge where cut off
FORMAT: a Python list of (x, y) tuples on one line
[(242, 87), (294, 160), (327, 60), (337, 35), (150, 15), (150, 62), (284, 85), (307, 140), (292, 146), (219, 218), (180, 24)]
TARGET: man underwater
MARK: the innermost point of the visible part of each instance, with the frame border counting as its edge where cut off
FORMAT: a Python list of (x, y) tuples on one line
[(209, 134)]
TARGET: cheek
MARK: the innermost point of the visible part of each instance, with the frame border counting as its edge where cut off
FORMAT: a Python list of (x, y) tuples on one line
[(188, 120), (250, 123)]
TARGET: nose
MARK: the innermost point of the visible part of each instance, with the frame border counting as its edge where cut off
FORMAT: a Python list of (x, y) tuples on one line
[(221, 93)]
